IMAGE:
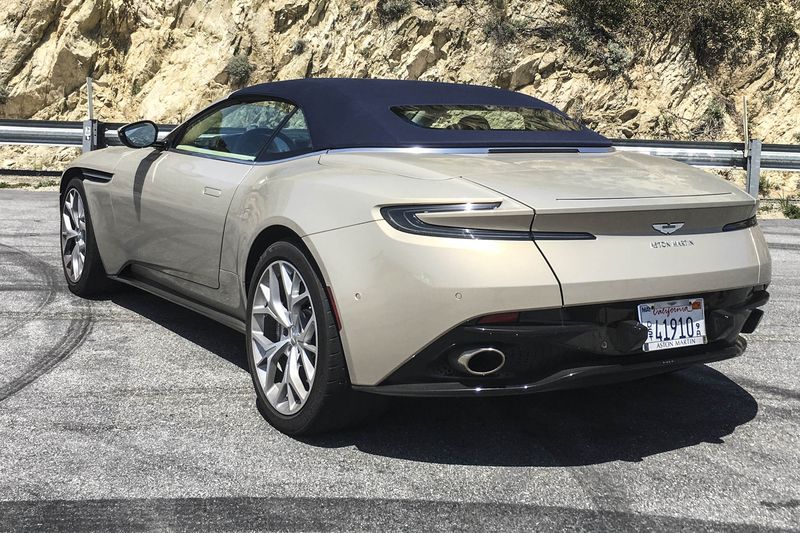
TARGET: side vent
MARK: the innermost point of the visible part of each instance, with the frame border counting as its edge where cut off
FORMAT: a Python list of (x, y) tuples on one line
[(96, 175)]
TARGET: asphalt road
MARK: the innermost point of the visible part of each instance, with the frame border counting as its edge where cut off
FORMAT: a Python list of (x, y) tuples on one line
[(132, 413)]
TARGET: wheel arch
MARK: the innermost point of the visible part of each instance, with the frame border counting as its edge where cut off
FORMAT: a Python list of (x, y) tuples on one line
[(269, 236), (68, 175)]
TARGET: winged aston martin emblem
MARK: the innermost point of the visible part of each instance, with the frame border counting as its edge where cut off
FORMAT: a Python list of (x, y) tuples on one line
[(668, 228)]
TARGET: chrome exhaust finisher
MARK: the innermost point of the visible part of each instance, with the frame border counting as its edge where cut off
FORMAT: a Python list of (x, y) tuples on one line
[(483, 361)]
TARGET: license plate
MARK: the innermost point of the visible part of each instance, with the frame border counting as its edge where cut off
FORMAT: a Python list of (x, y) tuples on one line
[(676, 324)]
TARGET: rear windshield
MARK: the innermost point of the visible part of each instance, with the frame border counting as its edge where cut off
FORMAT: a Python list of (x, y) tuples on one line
[(485, 118)]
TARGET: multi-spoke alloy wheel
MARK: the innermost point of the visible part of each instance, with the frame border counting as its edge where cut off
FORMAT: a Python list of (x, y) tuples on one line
[(294, 350), (80, 257), (284, 337), (73, 234)]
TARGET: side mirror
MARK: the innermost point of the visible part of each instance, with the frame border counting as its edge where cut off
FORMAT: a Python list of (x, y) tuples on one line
[(138, 134)]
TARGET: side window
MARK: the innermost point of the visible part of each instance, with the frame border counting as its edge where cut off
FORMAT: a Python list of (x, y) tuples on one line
[(292, 138), (240, 130)]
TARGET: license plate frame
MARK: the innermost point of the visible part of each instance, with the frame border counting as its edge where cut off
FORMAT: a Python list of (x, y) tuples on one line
[(669, 324)]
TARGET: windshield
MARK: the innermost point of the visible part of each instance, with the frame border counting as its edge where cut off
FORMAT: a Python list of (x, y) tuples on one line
[(485, 118)]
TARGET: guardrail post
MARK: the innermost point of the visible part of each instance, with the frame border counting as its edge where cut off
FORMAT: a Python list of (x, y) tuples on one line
[(89, 141), (754, 168), (90, 125)]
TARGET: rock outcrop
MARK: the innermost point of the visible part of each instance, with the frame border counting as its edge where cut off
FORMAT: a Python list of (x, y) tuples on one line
[(164, 59)]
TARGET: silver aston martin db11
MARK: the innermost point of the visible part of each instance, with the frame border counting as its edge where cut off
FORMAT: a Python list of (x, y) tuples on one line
[(411, 238)]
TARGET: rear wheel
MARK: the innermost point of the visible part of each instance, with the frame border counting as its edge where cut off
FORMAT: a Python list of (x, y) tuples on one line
[(294, 350), (83, 269)]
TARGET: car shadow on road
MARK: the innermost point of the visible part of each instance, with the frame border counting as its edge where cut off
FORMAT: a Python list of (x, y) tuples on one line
[(626, 422), (197, 329)]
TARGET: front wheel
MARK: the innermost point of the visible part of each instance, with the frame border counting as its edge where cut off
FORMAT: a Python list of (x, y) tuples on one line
[(83, 268), (294, 351)]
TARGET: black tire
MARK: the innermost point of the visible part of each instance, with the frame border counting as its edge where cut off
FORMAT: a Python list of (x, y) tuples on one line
[(93, 279), (331, 403)]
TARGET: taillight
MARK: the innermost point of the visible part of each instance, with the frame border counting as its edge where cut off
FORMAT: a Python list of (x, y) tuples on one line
[(404, 218), (742, 224)]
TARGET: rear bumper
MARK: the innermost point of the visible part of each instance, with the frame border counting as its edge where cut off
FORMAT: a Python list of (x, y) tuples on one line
[(572, 347), (572, 378)]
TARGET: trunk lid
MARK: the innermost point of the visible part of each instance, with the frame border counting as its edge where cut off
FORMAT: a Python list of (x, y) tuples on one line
[(616, 193)]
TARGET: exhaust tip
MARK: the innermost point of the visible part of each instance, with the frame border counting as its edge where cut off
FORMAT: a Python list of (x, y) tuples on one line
[(483, 361)]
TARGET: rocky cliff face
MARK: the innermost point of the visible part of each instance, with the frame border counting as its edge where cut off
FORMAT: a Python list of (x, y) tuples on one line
[(164, 59)]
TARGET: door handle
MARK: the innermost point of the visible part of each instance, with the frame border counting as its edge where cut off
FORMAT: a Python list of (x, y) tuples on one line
[(211, 191)]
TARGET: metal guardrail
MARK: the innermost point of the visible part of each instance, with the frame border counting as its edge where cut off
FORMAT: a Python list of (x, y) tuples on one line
[(41, 132), (703, 154), (779, 157), (93, 134)]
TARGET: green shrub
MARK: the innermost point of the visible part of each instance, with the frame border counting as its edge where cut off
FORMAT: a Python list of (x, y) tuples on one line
[(392, 10), (430, 3), (578, 36), (712, 121), (298, 47), (777, 26), (721, 31), (572, 32), (499, 29), (239, 69), (765, 185), (617, 58), (4, 94), (789, 209), (665, 122), (604, 14), (45, 183)]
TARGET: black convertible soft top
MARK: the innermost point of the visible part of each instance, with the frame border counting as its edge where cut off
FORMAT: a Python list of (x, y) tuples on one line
[(358, 113)]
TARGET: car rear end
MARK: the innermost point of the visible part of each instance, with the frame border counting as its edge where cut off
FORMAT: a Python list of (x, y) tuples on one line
[(657, 266)]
